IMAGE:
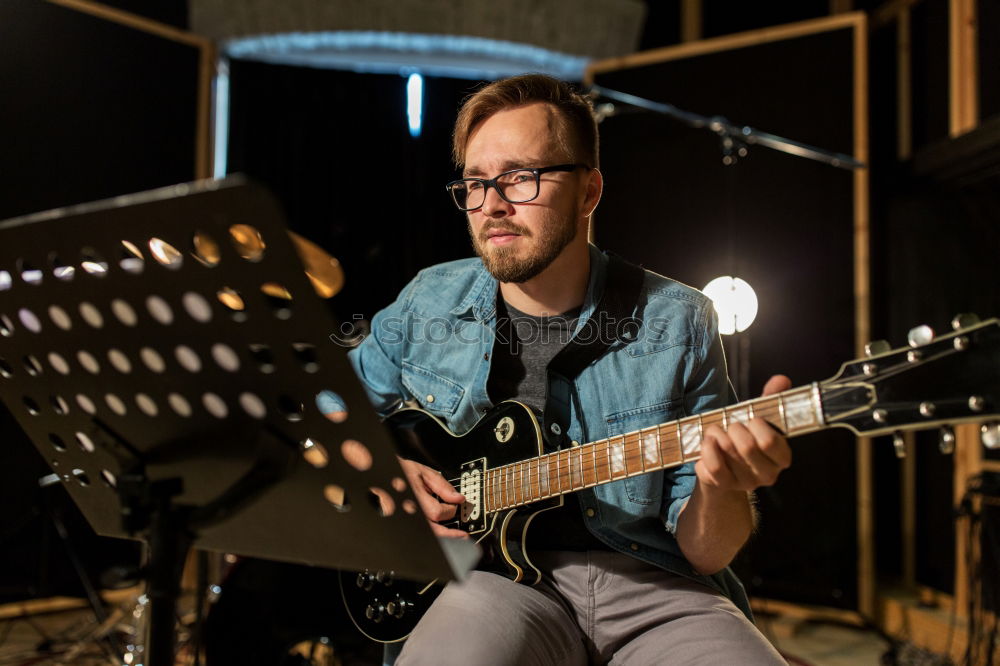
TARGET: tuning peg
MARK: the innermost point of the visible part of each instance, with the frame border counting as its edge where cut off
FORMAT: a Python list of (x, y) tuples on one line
[(899, 444), (946, 441), (989, 433), (876, 347), (920, 335), (964, 320)]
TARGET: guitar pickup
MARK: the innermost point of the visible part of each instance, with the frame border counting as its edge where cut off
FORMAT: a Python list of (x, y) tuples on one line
[(473, 514)]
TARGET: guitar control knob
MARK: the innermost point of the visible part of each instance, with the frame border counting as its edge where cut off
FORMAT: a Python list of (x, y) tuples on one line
[(920, 335), (375, 611), (990, 434), (927, 409), (964, 320), (398, 607), (899, 444), (876, 347), (384, 577), (976, 403), (365, 580), (946, 442)]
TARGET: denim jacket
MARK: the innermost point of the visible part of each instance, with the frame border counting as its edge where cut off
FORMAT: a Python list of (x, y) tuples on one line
[(434, 345)]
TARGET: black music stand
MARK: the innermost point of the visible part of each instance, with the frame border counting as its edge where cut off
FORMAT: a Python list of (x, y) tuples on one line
[(163, 351)]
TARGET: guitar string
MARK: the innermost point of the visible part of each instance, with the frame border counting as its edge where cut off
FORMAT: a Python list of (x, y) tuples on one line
[(633, 451), (632, 442)]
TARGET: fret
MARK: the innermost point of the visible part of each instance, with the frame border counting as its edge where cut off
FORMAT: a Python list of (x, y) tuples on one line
[(690, 437), (672, 454), (659, 445), (738, 414), (534, 489), (608, 451), (495, 483), (589, 473), (649, 448), (680, 440), (781, 413), (558, 472), (725, 419), (522, 483), (750, 415), (517, 483), (616, 458), (576, 462), (628, 458), (509, 485), (527, 487), (593, 460), (498, 485)]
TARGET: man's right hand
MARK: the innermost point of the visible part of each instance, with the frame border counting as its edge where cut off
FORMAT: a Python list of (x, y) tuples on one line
[(424, 481)]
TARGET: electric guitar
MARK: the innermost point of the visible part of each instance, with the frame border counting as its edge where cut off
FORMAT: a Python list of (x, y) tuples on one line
[(508, 478)]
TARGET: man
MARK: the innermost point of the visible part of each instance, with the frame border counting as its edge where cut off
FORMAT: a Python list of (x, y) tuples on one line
[(635, 570)]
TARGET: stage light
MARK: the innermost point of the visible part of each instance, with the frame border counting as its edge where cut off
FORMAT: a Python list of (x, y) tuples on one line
[(415, 103), (735, 302), (220, 101)]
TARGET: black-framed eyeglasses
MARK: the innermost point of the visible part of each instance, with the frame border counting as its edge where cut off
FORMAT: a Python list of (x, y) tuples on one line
[(514, 186)]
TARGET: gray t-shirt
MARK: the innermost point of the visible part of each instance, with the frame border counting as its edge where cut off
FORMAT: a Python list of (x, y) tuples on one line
[(524, 346)]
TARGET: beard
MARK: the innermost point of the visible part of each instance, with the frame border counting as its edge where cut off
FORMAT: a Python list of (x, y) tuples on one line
[(505, 265)]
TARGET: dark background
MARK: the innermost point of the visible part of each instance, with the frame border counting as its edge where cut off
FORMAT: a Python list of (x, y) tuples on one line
[(93, 110), (785, 225)]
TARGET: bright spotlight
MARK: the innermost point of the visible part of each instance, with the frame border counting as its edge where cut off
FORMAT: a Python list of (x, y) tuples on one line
[(735, 301)]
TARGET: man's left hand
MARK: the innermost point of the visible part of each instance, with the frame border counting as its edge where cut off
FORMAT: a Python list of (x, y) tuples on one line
[(746, 456)]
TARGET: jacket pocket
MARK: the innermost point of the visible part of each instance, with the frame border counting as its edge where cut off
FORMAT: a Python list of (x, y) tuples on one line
[(436, 394), (645, 489)]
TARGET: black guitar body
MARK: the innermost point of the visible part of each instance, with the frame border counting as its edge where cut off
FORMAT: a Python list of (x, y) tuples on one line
[(509, 433)]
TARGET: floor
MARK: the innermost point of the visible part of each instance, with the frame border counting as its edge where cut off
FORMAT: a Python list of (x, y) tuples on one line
[(67, 637)]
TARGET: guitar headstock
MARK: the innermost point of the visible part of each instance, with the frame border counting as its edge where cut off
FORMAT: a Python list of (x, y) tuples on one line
[(934, 381)]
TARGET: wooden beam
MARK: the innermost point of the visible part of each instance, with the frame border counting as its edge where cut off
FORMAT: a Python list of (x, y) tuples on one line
[(908, 509), (806, 612), (734, 41), (864, 468), (134, 21), (691, 20), (203, 144), (962, 70)]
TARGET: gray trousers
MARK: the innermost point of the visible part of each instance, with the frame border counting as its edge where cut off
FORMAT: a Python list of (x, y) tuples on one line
[(592, 608)]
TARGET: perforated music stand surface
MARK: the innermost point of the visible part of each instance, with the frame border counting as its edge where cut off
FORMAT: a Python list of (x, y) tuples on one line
[(147, 362)]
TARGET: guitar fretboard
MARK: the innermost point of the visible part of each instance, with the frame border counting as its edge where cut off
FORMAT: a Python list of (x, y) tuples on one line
[(796, 412)]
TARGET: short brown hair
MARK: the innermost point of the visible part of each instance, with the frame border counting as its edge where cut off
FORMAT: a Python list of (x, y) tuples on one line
[(576, 129)]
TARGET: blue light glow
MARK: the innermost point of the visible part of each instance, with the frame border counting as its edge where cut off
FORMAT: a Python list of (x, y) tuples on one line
[(389, 52), (221, 121), (415, 103)]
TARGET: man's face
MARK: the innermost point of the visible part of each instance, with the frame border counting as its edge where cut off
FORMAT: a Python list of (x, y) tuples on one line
[(518, 241)]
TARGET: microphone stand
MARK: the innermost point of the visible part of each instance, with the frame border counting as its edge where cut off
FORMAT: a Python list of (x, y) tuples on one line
[(735, 138)]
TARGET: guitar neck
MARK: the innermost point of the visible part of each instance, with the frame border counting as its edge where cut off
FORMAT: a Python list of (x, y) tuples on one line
[(797, 411)]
